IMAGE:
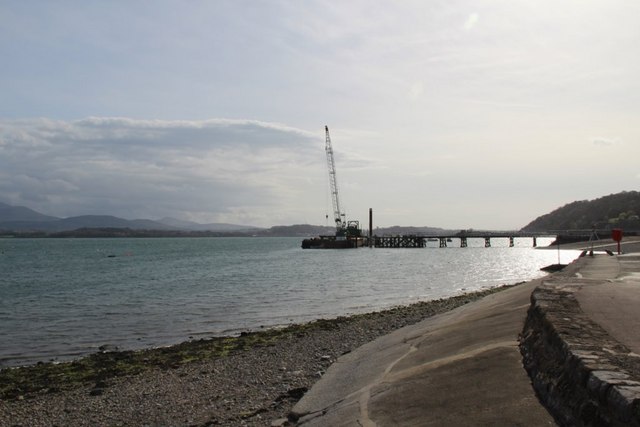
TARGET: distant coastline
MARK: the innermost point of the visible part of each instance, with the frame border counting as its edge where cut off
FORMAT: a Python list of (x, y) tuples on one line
[(20, 221), (283, 231), (299, 230)]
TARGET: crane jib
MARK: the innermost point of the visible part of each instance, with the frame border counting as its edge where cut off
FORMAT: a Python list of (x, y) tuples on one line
[(337, 214)]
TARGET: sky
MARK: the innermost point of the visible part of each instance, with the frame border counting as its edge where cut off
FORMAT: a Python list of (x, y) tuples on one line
[(457, 114)]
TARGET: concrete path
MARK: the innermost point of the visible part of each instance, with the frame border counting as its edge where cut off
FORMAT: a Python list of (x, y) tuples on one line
[(460, 368), (614, 304)]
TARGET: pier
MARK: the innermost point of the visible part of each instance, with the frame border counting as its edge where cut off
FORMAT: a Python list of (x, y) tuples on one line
[(461, 239), (399, 241)]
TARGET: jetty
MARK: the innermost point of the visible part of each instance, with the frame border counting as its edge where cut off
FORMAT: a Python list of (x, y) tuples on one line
[(463, 237)]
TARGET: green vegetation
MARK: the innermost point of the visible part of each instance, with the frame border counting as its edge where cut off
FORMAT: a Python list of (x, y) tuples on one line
[(100, 367), (619, 210)]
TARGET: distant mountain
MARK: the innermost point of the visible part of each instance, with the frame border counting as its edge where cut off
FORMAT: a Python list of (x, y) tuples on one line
[(613, 211), (407, 231), (306, 230), (22, 219), (20, 213), (85, 221), (194, 226), (297, 230), (93, 221)]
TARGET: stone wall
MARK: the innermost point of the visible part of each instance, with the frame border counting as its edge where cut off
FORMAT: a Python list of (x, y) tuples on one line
[(582, 375)]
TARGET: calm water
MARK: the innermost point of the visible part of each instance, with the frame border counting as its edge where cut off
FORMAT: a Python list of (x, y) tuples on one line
[(62, 298)]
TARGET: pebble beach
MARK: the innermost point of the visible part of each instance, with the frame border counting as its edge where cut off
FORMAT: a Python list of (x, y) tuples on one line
[(254, 381)]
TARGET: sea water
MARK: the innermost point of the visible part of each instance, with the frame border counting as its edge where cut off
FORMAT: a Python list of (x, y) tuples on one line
[(65, 298)]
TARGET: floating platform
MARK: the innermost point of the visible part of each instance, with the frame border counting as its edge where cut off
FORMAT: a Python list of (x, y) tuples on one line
[(330, 242)]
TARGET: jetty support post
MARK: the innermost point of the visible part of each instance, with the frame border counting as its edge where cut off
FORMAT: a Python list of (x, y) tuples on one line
[(370, 227)]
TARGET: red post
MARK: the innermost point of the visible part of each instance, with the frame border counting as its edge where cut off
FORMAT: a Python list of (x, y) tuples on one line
[(616, 234)]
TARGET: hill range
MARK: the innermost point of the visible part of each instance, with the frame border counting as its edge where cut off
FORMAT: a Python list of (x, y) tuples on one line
[(613, 211), (20, 218), (24, 221)]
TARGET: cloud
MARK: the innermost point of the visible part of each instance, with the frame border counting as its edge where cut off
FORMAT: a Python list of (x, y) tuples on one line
[(209, 170), (607, 142), (471, 21), (518, 85), (416, 90)]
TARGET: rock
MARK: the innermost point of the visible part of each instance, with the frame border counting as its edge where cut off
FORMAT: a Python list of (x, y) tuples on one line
[(297, 393), (96, 391)]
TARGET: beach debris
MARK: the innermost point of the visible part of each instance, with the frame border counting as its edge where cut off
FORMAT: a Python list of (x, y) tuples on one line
[(106, 348)]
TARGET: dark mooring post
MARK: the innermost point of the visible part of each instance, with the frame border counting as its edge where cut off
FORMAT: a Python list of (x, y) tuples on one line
[(370, 227)]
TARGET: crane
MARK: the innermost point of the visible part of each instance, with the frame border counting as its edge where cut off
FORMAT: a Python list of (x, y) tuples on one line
[(348, 233), (333, 184)]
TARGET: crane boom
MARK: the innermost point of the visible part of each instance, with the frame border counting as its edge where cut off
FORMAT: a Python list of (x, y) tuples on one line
[(337, 214)]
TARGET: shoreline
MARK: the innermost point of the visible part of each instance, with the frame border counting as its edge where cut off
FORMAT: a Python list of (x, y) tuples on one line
[(162, 294), (222, 338), (251, 379)]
